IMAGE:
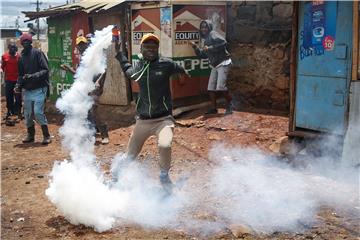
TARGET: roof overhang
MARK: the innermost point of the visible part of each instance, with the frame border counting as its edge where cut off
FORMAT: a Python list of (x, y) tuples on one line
[(88, 6)]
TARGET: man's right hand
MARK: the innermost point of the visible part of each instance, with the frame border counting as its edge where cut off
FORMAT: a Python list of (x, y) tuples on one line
[(27, 76), (64, 67), (17, 90)]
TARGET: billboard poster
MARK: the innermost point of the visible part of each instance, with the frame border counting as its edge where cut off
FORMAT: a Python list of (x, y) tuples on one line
[(177, 25), (319, 28), (318, 24), (165, 36), (143, 21)]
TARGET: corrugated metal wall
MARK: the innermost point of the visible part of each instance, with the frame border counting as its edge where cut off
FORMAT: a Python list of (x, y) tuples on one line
[(59, 52)]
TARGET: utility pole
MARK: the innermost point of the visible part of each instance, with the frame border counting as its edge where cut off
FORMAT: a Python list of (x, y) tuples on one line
[(37, 19), (17, 25)]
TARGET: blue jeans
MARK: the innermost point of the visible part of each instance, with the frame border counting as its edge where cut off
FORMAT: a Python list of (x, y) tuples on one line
[(35, 98), (13, 107)]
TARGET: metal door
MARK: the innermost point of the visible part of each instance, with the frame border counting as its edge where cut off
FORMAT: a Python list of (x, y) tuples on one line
[(324, 63)]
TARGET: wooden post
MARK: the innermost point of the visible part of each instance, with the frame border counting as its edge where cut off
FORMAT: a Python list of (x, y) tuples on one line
[(355, 56), (293, 64)]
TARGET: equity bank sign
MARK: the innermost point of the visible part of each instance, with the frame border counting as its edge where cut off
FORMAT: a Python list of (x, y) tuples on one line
[(138, 35), (185, 32)]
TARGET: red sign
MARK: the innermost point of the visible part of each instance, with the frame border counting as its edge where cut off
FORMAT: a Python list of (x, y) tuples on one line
[(328, 43)]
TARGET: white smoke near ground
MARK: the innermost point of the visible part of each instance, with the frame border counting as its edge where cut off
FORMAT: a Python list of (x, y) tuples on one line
[(267, 195), (246, 186), (149, 206)]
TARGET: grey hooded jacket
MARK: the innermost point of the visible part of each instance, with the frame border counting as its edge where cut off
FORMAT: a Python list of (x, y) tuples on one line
[(217, 52)]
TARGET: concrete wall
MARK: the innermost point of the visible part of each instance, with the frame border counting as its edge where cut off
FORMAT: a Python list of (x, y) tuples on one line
[(259, 35)]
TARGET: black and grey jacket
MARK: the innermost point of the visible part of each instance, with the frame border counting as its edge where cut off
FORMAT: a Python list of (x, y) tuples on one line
[(154, 99), (33, 62), (217, 52)]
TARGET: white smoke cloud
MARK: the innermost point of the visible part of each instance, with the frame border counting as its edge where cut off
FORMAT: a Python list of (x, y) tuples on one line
[(80, 195), (245, 187), (266, 195)]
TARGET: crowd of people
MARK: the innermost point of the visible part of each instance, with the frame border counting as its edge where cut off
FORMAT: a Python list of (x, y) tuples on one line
[(27, 80)]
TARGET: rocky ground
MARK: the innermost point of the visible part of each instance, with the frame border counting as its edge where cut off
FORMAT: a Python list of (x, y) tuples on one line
[(26, 213)]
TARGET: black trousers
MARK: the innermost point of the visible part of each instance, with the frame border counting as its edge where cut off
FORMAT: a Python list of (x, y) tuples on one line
[(13, 101)]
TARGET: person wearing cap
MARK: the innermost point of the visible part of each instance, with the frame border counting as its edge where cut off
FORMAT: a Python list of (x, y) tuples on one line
[(89, 36), (153, 103), (219, 58), (9, 65), (94, 116), (33, 79), (81, 45)]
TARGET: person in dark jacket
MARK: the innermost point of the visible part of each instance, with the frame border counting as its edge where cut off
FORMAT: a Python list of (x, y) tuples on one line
[(9, 65), (153, 103), (219, 58), (33, 80)]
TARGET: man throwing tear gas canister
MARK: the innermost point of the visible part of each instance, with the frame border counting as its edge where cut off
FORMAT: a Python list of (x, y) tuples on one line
[(153, 103)]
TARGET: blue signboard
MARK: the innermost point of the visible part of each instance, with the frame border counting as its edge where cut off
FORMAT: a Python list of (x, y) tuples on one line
[(319, 28)]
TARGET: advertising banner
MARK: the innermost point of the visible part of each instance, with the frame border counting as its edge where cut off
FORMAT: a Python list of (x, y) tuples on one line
[(319, 28), (144, 21), (177, 26)]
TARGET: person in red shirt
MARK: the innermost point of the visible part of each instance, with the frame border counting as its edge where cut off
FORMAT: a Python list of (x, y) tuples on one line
[(9, 65)]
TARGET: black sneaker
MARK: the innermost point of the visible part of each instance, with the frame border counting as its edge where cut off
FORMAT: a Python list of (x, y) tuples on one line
[(211, 111), (229, 109), (7, 116)]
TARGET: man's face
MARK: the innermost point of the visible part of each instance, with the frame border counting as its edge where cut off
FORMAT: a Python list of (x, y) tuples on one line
[(150, 50), (204, 29), (26, 44), (82, 47), (12, 49)]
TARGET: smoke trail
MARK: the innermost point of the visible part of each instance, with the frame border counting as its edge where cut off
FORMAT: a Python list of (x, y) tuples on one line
[(77, 187), (75, 103)]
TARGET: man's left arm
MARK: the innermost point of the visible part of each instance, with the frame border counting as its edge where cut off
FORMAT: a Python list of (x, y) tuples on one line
[(43, 67), (3, 63), (219, 42)]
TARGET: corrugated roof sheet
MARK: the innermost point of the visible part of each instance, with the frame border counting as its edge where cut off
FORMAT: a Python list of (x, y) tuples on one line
[(89, 6)]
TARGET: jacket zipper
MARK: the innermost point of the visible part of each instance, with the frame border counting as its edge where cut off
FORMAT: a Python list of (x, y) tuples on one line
[(167, 109), (148, 85)]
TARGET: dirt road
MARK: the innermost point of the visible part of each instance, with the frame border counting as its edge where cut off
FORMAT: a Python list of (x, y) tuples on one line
[(26, 213)]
